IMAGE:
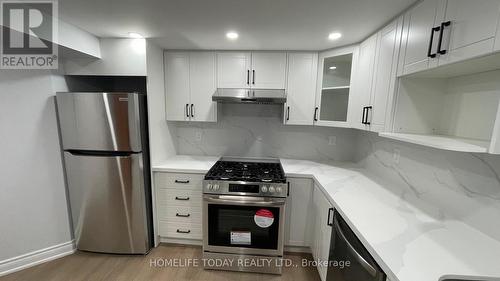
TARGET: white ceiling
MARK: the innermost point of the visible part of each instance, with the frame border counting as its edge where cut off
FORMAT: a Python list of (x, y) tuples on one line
[(261, 24)]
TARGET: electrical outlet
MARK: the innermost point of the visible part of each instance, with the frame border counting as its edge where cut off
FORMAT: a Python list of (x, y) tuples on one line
[(396, 155), (332, 140), (198, 136)]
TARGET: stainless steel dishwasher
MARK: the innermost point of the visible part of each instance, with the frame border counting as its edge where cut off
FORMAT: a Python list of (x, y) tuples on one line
[(345, 246)]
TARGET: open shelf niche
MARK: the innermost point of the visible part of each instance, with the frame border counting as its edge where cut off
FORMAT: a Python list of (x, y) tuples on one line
[(451, 113)]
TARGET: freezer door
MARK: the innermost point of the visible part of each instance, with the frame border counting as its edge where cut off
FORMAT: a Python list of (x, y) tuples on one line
[(100, 121), (108, 203)]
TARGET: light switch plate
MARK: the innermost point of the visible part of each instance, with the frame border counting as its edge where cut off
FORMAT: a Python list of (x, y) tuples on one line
[(332, 140), (396, 155), (198, 136)]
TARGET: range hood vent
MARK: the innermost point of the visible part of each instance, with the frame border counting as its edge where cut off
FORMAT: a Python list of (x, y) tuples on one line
[(259, 96)]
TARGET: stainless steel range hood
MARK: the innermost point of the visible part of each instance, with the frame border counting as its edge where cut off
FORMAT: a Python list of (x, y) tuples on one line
[(249, 96)]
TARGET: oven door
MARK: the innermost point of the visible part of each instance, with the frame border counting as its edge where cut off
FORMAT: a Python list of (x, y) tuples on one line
[(243, 224)]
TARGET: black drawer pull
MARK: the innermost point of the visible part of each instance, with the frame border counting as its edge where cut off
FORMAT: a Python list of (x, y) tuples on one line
[(183, 231), (181, 181), (182, 216), (182, 198)]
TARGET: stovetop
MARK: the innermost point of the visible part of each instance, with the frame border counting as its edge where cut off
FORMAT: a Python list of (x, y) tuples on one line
[(248, 170)]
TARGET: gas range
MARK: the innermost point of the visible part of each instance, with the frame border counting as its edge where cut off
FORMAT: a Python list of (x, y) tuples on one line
[(244, 202), (246, 176)]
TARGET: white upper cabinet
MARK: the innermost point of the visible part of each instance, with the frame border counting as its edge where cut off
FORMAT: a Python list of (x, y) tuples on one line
[(379, 112), (468, 28), (233, 69), (177, 86), (417, 47), (375, 79), (439, 32), (333, 90), (189, 86), (202, 86), (362, 84), (301, 88), (258, 70), (268, 70)]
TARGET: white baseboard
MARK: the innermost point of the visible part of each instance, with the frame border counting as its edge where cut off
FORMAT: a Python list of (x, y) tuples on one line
[(37, 257)]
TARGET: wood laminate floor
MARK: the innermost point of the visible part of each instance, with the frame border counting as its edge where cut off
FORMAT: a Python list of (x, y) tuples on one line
[(89, 266)]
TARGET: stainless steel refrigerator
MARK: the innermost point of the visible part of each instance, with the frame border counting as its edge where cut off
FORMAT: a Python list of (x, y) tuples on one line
[(105, 142)]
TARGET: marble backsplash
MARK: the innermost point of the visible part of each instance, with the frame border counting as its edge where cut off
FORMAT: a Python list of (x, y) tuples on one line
[(443, 184), (255, 130)]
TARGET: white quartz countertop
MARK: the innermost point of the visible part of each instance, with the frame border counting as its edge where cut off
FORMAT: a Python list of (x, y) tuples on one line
[(408, 243)]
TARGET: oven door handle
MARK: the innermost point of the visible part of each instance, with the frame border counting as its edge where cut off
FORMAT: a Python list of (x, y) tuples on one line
[(359, 258), (243, 200)]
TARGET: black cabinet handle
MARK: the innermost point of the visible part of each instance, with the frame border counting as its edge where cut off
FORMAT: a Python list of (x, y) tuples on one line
[(182, 198), (316, 114), (183, 231), (182, 216), (367, 114), (440, 43), (330, 210), (187, 110), (363, 117), (253, 77), (248, 77), (192, 110), (287, 113), (429, 51), (181, 181)]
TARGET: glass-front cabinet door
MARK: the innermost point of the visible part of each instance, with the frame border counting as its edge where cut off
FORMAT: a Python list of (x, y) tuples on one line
[(334, 87)]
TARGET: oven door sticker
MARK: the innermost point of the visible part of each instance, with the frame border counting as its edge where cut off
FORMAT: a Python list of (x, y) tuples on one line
[(241, 238), (263, 218)]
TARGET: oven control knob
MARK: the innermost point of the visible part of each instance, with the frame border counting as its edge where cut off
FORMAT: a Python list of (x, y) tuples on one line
[(271, 189), (216, 187), (209, 186), (263, 188), (278, 189)]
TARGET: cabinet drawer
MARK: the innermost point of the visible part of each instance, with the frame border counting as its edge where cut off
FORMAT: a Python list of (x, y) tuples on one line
[(179, 230), (179, 197), (178, 180), (182, 214)]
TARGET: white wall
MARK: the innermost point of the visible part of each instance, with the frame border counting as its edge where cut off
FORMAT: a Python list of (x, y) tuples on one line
[(33, 208), (161, 141), (125, 57)]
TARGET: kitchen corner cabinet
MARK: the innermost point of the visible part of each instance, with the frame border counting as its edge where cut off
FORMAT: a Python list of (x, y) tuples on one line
[(298, 213), (375, 79), (256, 70), (301, 88), (439, 32), (333, 90), (190, 82), (321, 230)]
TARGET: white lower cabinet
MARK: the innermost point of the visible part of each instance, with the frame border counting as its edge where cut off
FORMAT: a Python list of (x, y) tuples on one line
[(179, 205), (298, 212), (321, 230)]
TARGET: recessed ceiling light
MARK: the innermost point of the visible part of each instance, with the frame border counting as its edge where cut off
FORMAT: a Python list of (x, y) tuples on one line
[(332, 67), (134, 35), (334, 36), (231, 35)]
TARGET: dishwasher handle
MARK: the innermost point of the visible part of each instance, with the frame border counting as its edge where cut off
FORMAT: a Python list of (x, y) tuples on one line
[(359, 258)]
